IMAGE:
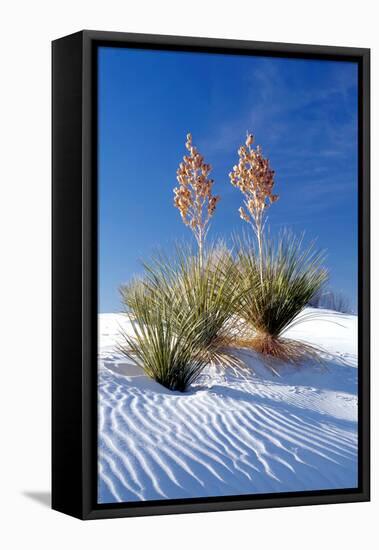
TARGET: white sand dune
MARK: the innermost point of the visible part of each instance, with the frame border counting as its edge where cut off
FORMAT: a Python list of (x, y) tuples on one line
[(233, 433)]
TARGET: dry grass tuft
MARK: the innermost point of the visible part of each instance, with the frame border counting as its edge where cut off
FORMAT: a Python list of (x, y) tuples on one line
[(283, 350)]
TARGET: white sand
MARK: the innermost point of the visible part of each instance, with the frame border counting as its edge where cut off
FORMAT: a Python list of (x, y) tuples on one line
[(232, 433)]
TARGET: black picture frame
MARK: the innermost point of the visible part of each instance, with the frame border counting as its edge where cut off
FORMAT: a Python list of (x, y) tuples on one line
[(74, 272)]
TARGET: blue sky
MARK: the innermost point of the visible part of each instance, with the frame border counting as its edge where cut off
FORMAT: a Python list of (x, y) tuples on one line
[(302, 112)]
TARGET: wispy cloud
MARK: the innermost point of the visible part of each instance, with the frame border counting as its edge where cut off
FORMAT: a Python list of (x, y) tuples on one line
[(284, 110)]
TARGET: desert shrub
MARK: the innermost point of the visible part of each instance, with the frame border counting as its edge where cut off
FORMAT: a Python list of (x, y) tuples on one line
[(183, 313), (167, 352), (201, 286), (276, 285), (329, 299)]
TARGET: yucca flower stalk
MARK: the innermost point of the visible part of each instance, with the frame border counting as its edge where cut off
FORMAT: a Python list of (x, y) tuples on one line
[(254, 177), (193, 197)]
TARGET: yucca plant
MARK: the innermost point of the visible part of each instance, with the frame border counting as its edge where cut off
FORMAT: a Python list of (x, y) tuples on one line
[(278, 284), (183, 314), (201, 287), (168, 353), (277, 281)]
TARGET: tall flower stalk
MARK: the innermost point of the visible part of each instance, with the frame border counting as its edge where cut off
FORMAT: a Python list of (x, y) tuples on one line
[(193, 197), (254, 177)]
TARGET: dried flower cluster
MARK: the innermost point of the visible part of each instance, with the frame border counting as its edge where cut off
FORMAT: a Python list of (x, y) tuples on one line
[(255, 179), (193, 197)]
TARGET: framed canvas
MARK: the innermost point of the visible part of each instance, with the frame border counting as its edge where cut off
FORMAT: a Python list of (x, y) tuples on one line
[(210, 275)]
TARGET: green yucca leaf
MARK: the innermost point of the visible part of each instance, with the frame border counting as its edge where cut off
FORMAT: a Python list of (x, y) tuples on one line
[(182, 313), (292, 275)]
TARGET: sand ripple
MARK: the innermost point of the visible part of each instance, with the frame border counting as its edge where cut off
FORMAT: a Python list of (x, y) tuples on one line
[(234, 433)]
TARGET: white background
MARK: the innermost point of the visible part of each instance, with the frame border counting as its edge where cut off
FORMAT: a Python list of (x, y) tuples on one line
[(26, 31)]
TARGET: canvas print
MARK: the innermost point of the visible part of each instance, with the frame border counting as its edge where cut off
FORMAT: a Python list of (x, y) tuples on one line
[(227, 267)]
